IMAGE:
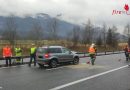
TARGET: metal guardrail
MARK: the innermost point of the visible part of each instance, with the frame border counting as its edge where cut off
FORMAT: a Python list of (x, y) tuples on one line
[(13, 60), (15, 57), (81, 55), (86, 54)]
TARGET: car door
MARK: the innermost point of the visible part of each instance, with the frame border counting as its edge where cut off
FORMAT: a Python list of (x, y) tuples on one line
[(59, 54), (67, 55)]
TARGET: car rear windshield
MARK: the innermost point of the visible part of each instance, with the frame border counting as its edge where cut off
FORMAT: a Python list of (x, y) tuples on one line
[(49, 50), (42, 50)]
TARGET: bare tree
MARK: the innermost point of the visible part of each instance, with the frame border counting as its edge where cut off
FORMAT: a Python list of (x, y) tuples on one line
[(36, 33), (127, 32), (112, 39), (99, 41), (75, 35), (69, 38), (87, 35), (109, 37), (53, 32), (10, 30), (114, 36), (104, 31)]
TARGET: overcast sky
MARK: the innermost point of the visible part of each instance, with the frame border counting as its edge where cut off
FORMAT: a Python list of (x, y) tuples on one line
[(75, 11)]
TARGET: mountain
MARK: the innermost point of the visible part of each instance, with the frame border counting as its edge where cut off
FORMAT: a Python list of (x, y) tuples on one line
[(24, 24)]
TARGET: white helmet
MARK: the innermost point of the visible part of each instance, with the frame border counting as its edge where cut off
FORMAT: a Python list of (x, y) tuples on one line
[(92, 44)]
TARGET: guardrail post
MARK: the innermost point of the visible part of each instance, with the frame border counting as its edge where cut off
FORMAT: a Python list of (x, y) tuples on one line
[(22, 60), (105, 52)]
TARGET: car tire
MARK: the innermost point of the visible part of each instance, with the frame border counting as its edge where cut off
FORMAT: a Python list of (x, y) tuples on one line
[(53, 64), (76, 61), (40, 65)]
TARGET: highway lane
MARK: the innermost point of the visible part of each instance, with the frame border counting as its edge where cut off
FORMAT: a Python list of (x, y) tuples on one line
[(117, 80), (34, 78)]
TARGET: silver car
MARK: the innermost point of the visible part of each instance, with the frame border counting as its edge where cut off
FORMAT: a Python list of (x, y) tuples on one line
[(53, 55)]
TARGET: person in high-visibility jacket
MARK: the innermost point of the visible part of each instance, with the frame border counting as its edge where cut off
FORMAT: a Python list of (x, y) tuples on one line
[(32, 55), (18, 54), (7, 54), (92, 53)]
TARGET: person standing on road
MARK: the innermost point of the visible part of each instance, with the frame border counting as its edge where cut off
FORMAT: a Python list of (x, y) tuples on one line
[(7, 54), (126, 52), (92, 53), (18, 54), (32, 55)]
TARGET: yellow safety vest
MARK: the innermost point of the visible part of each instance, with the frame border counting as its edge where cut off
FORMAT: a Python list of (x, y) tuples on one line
[(18, 51), (33, 50)]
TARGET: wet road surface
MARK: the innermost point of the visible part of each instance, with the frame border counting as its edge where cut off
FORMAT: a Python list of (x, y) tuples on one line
[(110, 72)]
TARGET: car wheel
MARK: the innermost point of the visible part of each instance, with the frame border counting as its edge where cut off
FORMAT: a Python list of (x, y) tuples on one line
[(76, 61), (40, 65), (53, 64)]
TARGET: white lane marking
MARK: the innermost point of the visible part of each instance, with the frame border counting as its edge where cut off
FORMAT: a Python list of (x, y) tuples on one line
[(54, 68), (1, 87), (87, 78)]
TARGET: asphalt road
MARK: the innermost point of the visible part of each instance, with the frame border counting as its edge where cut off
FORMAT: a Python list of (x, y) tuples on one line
[(110, 72)]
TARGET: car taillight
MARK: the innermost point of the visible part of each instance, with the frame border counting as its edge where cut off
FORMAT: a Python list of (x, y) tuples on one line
[(46, 55)]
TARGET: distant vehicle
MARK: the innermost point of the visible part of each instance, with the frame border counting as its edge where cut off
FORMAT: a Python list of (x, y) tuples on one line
[(53, 55)]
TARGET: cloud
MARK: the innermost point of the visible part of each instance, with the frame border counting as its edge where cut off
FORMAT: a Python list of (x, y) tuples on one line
[(76, 11)]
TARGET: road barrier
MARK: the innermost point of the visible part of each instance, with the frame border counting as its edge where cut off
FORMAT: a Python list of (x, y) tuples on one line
[(81, 55), (13, 60), (86, 54)]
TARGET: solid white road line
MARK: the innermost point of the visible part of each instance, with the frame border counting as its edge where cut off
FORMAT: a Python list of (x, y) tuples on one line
[(1, 87), (87, 78)]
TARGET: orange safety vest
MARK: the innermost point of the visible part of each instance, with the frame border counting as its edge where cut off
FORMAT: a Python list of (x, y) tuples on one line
[(91, 50), (7, 52)]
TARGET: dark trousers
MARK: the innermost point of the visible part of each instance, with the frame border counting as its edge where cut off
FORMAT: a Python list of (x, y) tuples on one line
[(32, 57), (18, 60), (93, 57), (127, 56), (8, 59)]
